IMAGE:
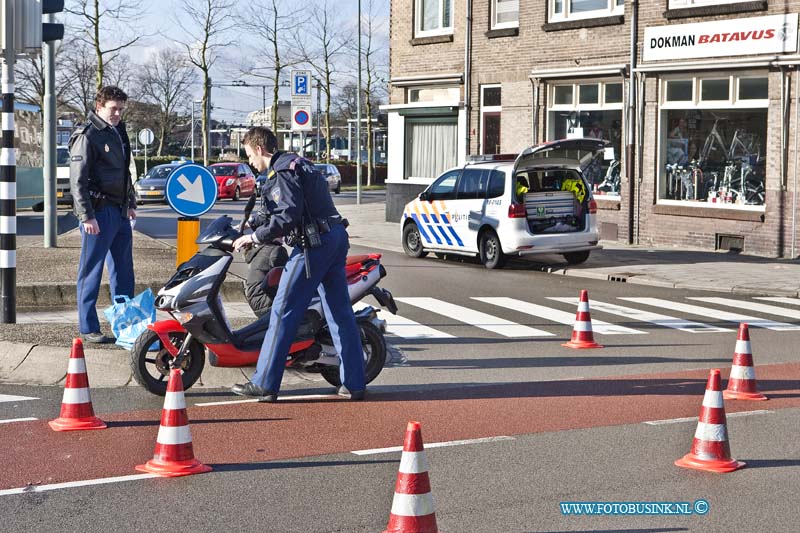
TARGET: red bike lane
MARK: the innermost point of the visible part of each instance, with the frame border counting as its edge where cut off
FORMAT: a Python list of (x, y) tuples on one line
[(245, 433)]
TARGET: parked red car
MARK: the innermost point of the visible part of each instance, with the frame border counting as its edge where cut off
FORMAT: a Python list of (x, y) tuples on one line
[(234, 180)]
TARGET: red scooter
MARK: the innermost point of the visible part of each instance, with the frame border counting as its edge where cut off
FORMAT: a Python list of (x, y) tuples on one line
[(199, 324)]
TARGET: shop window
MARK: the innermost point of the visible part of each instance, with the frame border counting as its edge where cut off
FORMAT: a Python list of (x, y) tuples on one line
[(715, 155), (490, 119), (677, 4), (433, 94), (679, 91), (576, 9), (433, 17), (596, 113), (430, 146), (588, 94), (714, 90), (505, 14)]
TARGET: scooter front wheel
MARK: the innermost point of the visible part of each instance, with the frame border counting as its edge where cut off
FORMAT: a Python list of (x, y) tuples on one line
[(373, 345), (150, 361)]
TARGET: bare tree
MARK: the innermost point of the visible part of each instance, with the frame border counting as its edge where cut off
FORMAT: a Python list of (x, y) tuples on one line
[(165, 80), (76, 77), (211, 21), (266, 21), (99, 23), (324, 46), (375, 52)]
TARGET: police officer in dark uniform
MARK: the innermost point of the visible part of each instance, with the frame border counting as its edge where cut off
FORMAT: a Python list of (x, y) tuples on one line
[(102, 192), (301, 209)]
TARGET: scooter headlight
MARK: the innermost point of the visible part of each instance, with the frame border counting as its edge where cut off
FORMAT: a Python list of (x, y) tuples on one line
[(183, 317), (164, 302)]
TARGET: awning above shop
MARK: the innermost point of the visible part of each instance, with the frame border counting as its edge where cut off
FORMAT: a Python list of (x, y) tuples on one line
[(580, 72), (428, 79)]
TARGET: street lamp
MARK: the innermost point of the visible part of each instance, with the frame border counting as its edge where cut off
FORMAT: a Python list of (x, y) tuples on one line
[(194, 102)]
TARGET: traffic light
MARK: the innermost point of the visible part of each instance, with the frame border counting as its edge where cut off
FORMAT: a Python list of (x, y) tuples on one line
[(29, 31), (52, 31)]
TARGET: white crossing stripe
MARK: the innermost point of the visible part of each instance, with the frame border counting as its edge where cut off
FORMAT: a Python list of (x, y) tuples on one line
[(752, 306), (646, 316), (11, 398), (430, 445), (780, 299), (72, 484), (475, 318), (408, 329), (714, 313), (555, 315), (10, 420)]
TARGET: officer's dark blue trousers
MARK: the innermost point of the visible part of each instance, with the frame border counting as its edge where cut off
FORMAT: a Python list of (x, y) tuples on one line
[(290, 304), (114, 244)]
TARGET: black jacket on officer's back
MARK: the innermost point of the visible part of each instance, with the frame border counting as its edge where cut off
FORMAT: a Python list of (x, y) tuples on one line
[(296, 186), (100, 165)]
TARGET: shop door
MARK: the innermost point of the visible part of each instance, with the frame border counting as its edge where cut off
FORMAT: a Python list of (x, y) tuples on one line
[(491, 133)]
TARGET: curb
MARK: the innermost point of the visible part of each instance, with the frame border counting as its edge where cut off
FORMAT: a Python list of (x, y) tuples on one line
[(49, 295)]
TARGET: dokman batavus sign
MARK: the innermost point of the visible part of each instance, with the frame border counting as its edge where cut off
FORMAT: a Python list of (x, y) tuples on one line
[(773, 34)]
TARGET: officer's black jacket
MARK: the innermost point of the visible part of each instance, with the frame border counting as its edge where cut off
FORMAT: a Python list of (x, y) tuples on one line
[(287, 189), (99, 165)]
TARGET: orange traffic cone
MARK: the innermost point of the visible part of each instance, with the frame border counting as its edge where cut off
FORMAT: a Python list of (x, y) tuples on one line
[(710, 449), (582, 336), (412, 506), (76, 407), (742, 382), (174, 455)]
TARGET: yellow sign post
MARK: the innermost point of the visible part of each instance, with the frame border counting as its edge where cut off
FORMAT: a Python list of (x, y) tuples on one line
[(188, 231)]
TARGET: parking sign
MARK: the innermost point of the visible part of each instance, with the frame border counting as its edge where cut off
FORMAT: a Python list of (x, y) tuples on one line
[(301, 83)]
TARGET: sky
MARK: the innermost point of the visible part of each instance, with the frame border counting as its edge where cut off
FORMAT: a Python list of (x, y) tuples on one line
[(231, 104)]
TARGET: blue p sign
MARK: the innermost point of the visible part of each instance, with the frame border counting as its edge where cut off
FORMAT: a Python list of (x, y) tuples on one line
[(301, 85)]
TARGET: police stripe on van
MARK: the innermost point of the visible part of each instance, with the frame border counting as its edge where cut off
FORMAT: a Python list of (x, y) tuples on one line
[(435, 226)]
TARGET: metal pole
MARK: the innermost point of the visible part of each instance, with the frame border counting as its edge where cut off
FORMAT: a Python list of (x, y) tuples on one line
[(318, 112), (796, 158), (263, 103), (358, 114), (50, 205), (8, 182), (630, 150), (192, 131)]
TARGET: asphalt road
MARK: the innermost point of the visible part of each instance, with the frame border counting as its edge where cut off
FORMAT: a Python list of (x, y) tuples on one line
[(566, 425)]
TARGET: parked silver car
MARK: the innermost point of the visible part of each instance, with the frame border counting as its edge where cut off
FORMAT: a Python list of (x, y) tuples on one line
[(332, 175)]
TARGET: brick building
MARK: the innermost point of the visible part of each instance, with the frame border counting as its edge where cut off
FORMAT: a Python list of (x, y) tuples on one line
[(703, 127)]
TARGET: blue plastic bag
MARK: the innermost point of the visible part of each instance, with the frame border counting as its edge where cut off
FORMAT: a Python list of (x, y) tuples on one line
[(129, 317)]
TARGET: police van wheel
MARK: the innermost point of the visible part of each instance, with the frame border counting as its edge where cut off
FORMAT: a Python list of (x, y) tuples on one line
[(412, 241), (576, 258), (491, 252), (373, 344), (151, 367)]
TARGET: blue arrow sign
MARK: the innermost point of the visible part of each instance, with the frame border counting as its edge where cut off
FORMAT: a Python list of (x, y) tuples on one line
[(191, 190)]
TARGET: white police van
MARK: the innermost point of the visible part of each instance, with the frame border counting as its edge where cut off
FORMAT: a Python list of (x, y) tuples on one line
[(482, 209)]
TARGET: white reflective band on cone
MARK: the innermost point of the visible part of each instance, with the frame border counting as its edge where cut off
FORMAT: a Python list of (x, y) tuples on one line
[(72, 396), (711, 432), (743, 372), (412, 504), (583, 326), (413, 463), (174, 401), (743, 346), (76, 366), (174, 435), (713, 398), (583, 307)]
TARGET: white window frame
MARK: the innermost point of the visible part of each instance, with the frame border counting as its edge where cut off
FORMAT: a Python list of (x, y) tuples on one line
[(489, 109), (611, 9), (683, 4), (576, 105), (441, 30), (733, 102), (443, 97), (502, 25)]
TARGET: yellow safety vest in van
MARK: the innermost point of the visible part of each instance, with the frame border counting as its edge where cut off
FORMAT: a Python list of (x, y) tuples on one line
[(576, 186)]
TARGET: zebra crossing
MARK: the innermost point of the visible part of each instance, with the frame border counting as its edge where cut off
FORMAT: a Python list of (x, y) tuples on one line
[(659, 312)]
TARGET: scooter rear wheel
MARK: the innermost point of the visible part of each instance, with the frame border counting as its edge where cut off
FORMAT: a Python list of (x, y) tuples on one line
[(374, 346), (151, 368)]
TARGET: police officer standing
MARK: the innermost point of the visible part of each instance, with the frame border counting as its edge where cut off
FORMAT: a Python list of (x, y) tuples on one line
[(302, 210), (104, 203)]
